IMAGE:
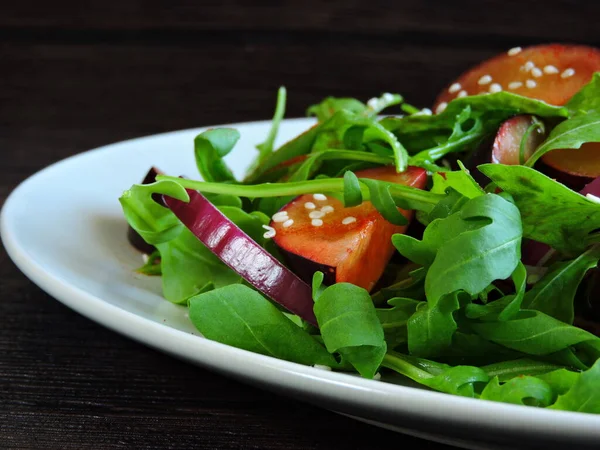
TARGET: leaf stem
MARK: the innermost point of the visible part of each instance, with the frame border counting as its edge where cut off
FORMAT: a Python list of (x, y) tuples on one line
[(399, 192), (400, 364)]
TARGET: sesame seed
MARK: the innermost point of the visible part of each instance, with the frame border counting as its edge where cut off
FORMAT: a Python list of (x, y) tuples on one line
[(514, 85), (495, 87), (373, 103), (279, 219), (530, 84), (316, 222), (441, 107), (424, 112), (327, 209), (319, 197), (377, 376), (348, 220), (145, 258), (316, 214), (454, 88), (550, 69), (486, 79), (593, 198), (288, 223), (567, 73), (309, 205), (536, 72), (269, 233), (387, 97), (322, 367), (462, 94), (280, 215), (527, 66), (514, 51)]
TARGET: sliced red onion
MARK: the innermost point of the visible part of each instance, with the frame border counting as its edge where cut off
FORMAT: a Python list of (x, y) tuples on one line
[(243, 255), (592, 188)]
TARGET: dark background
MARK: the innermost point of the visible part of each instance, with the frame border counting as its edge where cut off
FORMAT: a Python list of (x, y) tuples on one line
[(75, 75)]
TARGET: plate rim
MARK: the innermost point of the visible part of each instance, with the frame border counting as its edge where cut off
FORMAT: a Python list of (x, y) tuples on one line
[(442, 407)]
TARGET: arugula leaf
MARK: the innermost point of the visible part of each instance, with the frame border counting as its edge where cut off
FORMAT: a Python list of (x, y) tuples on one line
[(524, 390), (584, 395), (458, 140), (210, 147), (587, 99), (431, 327), (349, 326), (459, 180), (266, 148), (394, 320), (469, 249), (506, 307), (311, 164), (534, 333), (239, 316), (493, 108), (383, 201), (555, 292), (551, 212), (458, 380), (506, 370), (331, 105), (570, 134)]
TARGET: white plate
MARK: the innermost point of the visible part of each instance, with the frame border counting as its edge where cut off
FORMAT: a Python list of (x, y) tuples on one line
[(64, 229)]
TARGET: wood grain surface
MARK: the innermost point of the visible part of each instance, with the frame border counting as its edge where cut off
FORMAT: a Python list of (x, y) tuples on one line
[(75, 75)]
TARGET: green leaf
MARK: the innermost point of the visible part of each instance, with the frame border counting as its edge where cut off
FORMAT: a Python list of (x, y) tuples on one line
[(352, 192), (587, 99), (551, 213), (524, 390), (394, 320), (505, 308), (383, 202), (460, 180), (506, 370), (458, 380), (570, 134), (331, 105), (431, 327), (554, 294), (349, 326), (311, 164), (266, 148), (210, 147), (533, 333), (584, 395), (239, 316), (462, 137), (497, 107)]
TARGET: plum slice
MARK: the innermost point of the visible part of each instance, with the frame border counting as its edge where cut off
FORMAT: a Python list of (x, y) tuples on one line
[(552, 73), (353, 245), (243, 254), (507, 144)]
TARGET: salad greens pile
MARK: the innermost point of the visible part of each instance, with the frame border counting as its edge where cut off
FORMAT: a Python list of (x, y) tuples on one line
[(461, 312)]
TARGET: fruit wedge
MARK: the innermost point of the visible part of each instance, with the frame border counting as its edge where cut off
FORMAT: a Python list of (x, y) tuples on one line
[(552, 73), (316, 233), (507, 144)]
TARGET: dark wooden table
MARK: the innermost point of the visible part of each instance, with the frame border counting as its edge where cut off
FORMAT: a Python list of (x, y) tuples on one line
[(75, 75)]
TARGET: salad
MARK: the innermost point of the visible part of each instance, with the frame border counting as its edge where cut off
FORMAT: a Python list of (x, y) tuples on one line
[(456, 246)]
